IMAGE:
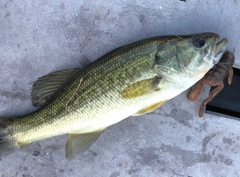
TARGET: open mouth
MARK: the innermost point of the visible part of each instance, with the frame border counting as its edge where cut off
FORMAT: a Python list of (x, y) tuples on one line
[(219, 49)]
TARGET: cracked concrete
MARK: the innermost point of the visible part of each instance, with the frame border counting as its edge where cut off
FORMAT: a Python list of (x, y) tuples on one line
[(39, 37)]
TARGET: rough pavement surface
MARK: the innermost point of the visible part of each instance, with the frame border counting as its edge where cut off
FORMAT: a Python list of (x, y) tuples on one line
[(39, 37)]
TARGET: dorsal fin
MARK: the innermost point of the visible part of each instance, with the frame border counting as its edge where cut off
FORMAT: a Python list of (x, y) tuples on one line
[(47, 85)]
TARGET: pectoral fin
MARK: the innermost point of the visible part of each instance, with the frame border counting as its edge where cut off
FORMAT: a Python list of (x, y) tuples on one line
[(78, 143), (141, 88), (149, 109), (47, 85)]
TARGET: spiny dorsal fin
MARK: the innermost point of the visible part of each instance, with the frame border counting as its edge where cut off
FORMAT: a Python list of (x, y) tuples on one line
[(141, 88), (47, 85), (78, 143)]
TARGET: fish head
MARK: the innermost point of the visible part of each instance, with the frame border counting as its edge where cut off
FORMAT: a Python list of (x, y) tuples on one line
[(189, 56)]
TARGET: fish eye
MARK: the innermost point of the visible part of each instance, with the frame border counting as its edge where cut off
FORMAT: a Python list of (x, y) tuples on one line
[(198, 41)]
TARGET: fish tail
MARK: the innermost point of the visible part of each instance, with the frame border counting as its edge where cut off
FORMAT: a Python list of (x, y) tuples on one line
[(7, 144)]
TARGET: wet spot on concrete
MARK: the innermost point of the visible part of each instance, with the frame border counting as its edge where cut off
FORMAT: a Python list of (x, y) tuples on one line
[(36, 152), (228, 162), (85, 60), (133, 170), (206, 140), (214, 152), (181, 116), (221, 158), (228, 141), (53, 148), (188, 158), (97, 17), (188, 138), (62, 5), (148, 156), (24, 158), (37, 149), (7, 14), (115, 174), (108, 12), (92, 152), (14, 95), (145, 157), (142, 19), (225, 160), (25, 168), (124, 164), (203, 126), (26, 175), (61, 170)]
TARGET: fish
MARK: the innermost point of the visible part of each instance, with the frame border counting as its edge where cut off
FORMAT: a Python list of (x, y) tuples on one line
[(131, 80)]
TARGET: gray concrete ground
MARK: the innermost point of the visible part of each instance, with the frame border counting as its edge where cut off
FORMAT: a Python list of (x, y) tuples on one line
[(38, 37)]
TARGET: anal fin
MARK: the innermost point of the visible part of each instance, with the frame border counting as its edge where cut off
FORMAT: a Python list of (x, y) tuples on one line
[(78, 143), (149, 109)]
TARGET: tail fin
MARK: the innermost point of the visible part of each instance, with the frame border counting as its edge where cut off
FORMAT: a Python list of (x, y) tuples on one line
[(7, 143)]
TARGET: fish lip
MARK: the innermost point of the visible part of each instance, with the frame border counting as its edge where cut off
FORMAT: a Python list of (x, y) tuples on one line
[(219, 48)]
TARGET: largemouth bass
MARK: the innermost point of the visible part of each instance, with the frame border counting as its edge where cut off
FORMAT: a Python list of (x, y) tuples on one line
[(131, 80)]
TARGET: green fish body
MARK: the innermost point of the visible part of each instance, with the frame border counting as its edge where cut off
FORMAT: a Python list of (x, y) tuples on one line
[(131, 80)]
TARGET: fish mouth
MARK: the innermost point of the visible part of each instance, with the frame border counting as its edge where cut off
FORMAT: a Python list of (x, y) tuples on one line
[(219, 48)]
